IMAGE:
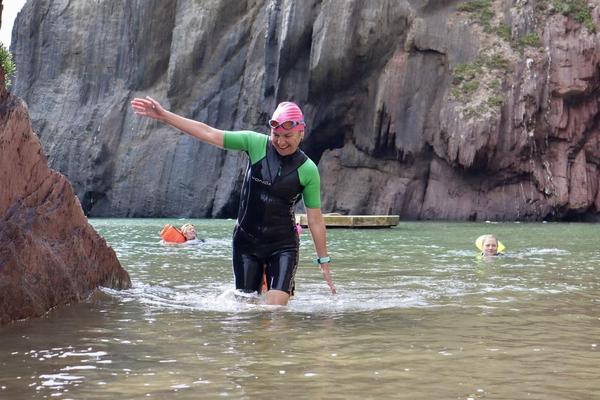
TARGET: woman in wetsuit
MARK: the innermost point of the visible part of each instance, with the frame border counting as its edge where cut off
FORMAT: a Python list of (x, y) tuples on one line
[(278, 173)]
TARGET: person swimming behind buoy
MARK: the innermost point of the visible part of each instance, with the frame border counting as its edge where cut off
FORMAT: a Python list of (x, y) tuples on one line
[(171, 234), (489, 246)]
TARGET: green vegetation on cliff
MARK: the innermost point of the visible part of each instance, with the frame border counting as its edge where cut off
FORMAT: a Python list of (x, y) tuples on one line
[(7, 64), (481, 12), (469, 77), (579, 10), (478, 84), (466, 73), (531, 39)]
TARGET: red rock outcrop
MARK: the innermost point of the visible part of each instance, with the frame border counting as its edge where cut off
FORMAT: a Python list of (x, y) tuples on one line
[(49, 254)]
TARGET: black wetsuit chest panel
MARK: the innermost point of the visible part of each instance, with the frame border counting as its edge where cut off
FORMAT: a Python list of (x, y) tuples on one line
[(271, 188)]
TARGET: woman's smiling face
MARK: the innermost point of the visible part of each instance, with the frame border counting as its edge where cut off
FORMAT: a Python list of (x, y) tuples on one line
[(286, 142)]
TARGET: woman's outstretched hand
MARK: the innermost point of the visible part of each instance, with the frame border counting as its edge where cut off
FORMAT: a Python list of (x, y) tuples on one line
[(327, 275), (148, 107)]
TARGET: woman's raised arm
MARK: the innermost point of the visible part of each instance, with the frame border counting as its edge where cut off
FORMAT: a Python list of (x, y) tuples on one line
[(148, 107)]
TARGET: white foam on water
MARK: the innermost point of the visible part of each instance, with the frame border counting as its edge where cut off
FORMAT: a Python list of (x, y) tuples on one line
[(83, 354), (78, 367), (461, 253), (536, 251), (313, 299), (58, 381)]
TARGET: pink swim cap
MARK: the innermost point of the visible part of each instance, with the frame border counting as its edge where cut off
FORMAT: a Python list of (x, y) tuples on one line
[(288, 111)]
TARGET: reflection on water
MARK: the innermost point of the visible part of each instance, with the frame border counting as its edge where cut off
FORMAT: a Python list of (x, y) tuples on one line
[(417, 316)]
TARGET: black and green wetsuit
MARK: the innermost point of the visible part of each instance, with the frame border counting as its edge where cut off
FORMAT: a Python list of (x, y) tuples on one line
[(265, 233)]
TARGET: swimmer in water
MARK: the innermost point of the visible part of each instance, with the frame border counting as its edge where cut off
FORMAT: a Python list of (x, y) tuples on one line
[(489, 246), (185, 234)]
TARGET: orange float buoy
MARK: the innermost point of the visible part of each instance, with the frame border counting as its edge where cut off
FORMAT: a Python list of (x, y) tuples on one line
[(170, 234)]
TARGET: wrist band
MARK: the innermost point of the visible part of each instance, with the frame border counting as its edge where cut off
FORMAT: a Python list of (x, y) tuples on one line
[(322, 260)]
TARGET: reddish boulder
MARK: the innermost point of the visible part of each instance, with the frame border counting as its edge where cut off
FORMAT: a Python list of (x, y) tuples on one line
[(49, 254)]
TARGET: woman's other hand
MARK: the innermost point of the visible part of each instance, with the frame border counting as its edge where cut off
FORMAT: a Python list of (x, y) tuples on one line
[(148, 107)]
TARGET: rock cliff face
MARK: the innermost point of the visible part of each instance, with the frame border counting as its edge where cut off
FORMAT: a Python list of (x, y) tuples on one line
[(49, 255), (431, 109)]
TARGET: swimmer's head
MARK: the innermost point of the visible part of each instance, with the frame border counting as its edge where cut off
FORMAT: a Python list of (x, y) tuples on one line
[(287, 128), (287, 117), (189, 231), (490, 245)]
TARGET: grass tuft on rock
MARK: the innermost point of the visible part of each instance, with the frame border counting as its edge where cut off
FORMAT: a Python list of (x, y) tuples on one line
[(531, 39), (478, 84), (579, 10), (481, 13)]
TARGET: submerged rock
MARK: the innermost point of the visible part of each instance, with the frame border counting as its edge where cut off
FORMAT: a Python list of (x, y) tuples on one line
[(49, 254)]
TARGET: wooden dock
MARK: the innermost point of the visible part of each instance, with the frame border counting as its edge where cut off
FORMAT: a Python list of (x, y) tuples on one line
[(354, 221)]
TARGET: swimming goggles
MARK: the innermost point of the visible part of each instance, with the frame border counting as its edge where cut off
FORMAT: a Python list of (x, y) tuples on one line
[(287, 125)]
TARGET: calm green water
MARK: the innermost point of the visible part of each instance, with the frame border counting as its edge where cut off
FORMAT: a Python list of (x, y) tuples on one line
[(417, 317)]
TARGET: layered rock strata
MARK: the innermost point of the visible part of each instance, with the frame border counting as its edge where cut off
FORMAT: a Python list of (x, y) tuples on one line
[(49, 254), (425, 108)]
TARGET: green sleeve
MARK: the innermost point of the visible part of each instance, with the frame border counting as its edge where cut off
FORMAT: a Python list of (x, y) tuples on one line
[(254, 143), (309, 178)]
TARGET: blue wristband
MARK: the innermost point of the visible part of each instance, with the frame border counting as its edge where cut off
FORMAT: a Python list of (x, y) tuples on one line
[(322, 260)]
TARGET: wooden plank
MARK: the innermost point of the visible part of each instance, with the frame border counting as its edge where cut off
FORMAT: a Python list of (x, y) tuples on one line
[(353, 221)]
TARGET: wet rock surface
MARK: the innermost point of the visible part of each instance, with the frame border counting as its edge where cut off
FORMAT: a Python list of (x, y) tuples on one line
[(49, 254)]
